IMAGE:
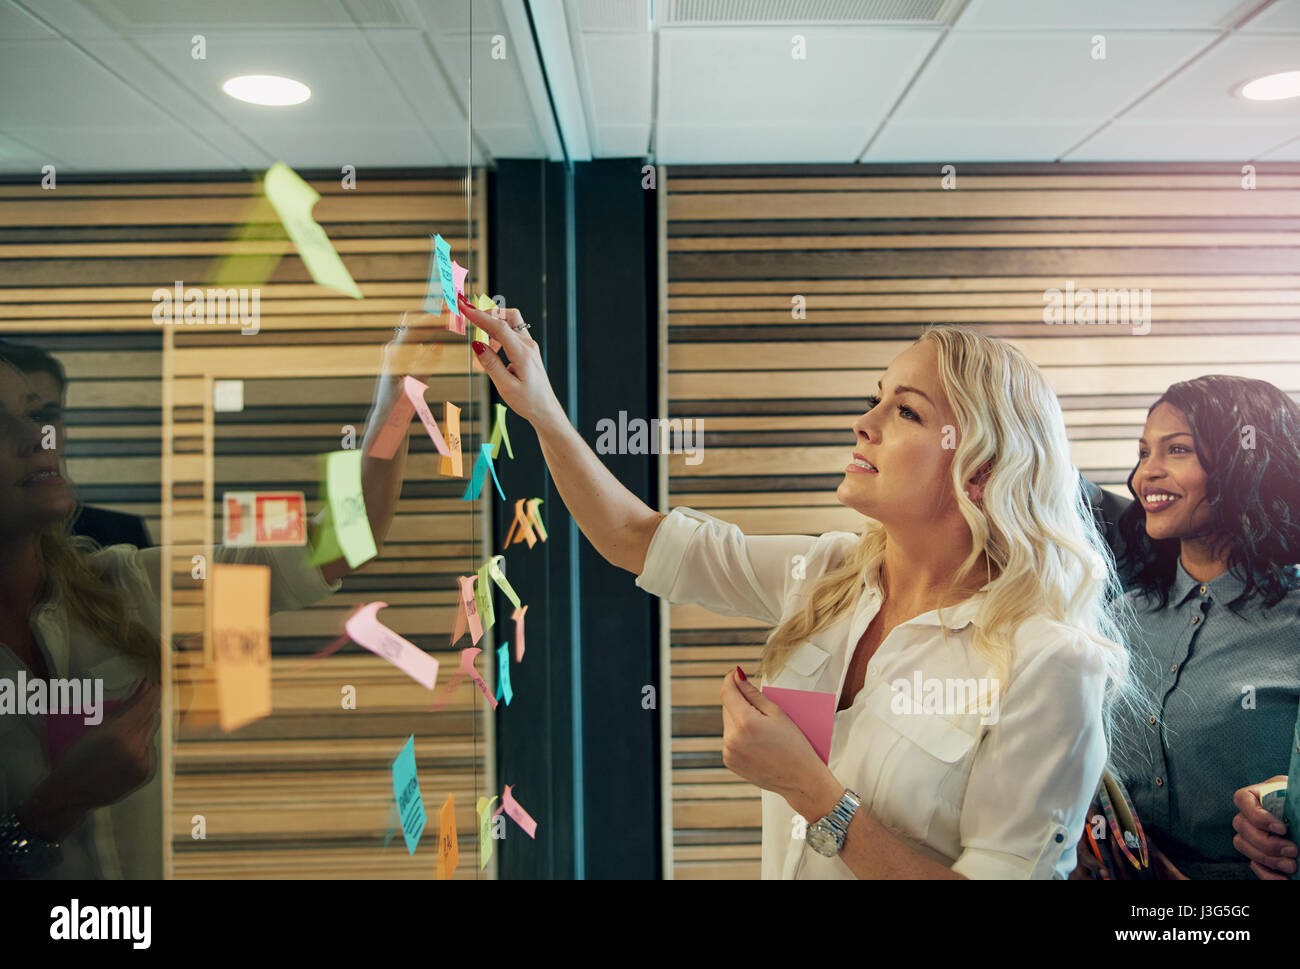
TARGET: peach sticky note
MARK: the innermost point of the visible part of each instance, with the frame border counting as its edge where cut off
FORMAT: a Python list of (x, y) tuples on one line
[(467, 612), (467, 664), (241, 642), (293, 200), (451, 466), (521, 530), (365, 629), (484, 809), (812, 712), (448, 850), (518, 617), (411, 400), (516, 811)]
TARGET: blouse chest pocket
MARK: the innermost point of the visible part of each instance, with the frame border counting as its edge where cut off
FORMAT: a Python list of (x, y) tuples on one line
[(916, 763), (803, 668)]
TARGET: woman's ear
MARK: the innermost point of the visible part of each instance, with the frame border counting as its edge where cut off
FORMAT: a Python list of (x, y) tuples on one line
[(975, 486)]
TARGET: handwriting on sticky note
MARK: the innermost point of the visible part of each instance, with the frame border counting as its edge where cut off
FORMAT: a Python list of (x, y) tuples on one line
[(448, 850), (484, 807), (410, 400), (812, 712), (365, 629), (483, 595), (481, 467), (452, 465), (241, 642), (446, 275), (346, 527), (467, 612), (516, 811), (467, 664), (406, 788), (293, 200)]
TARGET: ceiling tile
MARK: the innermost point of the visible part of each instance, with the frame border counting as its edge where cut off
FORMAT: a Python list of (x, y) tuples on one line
[(125, 148), (16, 24), (954, 141), (721, 144), (621, 140), (1207, 88), (1098, 14), (373, 146), (1016, 77), (17, 158), (1281, 17), (1288, 151), (1131, 140), (618, 77)]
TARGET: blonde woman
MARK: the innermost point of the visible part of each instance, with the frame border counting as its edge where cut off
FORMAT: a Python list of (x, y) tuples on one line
[(977, 565)]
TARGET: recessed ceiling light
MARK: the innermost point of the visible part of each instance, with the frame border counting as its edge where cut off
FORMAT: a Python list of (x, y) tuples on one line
[(267, 89), (1274, 87)]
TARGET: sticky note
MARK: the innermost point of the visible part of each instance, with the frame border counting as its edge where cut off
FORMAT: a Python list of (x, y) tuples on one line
[(394, 822), (516, 811), (521, 530), (484, 302), (433, 299), (365, 629), (346, 528), (467, 613), (458, 274), (452, 465), (812, 712), (406, 788), (483, 807), (446, 274), (481, 467), (503, 673), (518, 617), (499, 433), (536, 517), (293, 200), (411, 400), (494, 566), (241, 641), (467, 664), (448, 850), (483, 596)]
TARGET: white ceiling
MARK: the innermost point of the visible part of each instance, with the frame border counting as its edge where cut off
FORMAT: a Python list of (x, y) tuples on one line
[(111, 86)]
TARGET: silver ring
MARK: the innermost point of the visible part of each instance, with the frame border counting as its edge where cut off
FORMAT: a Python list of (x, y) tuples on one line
[(521, 327)]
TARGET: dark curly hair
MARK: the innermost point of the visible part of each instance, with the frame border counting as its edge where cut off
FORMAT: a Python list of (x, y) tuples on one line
[(1253, 493)]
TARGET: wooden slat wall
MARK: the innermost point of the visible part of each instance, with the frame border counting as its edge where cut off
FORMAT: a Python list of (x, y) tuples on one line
[(878, 252), (307, 791)]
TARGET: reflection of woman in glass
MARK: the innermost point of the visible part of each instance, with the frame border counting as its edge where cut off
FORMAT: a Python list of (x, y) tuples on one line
[(978, 564), (1213, 539), (79, 800)]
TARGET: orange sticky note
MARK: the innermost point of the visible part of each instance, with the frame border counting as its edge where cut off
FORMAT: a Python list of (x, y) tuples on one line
[(521, 529), (451, 419), (241, 641), (448, 850), (518, 617)]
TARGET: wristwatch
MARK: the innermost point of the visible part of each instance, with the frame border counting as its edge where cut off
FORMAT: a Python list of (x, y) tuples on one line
[(827, 835), (23, 854)]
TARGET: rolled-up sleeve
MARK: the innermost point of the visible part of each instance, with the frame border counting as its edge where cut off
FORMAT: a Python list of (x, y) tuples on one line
[(1036, 768), (697, 559)]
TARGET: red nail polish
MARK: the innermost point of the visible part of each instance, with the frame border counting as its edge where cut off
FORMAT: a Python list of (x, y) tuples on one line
[(741, 674), (479, 348)]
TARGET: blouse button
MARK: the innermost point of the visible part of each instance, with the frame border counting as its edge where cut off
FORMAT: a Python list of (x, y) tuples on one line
[(1151, 720), (1160, 782), (1174, 668), (1195, 620), (1202, 590), (1059, 837)]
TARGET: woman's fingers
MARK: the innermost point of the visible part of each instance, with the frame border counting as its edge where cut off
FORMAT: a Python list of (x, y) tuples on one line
[(493, 326)]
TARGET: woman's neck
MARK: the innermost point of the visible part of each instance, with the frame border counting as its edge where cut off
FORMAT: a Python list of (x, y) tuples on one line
[(916, 575), (1200, 562)]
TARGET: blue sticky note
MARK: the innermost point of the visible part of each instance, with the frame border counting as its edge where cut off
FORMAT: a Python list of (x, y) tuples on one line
[(503, 673), (432, 292), (481, 467), (406, 788), (442, 254)]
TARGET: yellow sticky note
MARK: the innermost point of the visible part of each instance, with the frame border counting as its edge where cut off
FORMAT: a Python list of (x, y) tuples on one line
[(484, 831), (498, 432), (293, 200), (241, 641), (448, 851), (451, 420), (345, 530)]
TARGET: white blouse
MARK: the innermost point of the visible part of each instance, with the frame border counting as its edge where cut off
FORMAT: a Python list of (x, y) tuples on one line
[(1002, 798)]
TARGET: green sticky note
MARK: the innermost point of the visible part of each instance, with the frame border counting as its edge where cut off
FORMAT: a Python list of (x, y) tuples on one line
[(484, 831), (483, 595), (293, 200), (346, 528), (498, 432)]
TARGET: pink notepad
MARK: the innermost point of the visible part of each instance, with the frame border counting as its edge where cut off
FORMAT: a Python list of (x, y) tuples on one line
[(812, 712)]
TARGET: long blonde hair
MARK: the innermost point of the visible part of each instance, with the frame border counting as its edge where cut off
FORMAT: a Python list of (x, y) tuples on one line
[(1045, 557)]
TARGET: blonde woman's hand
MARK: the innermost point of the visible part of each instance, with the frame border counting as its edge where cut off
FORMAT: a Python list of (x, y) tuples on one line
[(523, 385)]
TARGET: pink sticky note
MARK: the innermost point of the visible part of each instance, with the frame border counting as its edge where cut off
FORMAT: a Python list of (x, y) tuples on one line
[(468, 611), (467, 664), (411, 401), (812, 712), (366, 630), (516, 811), (518, 617)]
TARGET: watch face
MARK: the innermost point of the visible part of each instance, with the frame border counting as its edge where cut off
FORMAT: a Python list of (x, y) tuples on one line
[(822, 840)]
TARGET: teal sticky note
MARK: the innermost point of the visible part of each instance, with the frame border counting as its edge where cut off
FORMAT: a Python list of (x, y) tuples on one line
[(349, 524), (406, 788), (481, 467), (442, 254), (394, 822), (503, 673)]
